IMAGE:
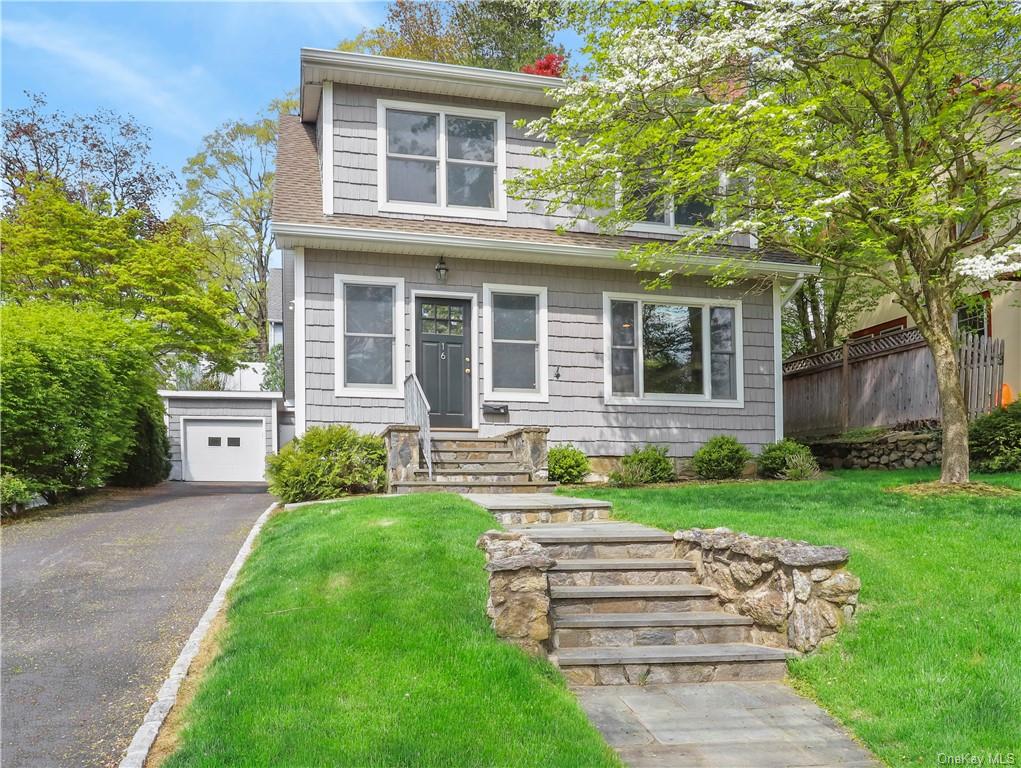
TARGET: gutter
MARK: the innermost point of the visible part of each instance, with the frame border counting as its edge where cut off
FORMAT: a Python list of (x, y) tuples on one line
[(464, 243)]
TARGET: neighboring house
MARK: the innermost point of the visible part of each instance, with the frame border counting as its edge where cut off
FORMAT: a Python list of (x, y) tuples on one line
[(404, 257), (275, 307)]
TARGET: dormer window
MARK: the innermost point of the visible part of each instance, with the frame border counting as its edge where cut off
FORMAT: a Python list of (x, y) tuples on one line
[(441, 161)]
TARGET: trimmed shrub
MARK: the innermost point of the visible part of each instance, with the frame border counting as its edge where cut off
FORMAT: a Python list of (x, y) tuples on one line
[(772, 461), (995, 440), (647, 465), (72, 379), (799, 466), (148, 461), (567, 464), (721, 458), (327, 462)]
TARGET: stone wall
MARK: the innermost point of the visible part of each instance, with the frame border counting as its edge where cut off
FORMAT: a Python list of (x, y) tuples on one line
[(403, 453), (891, 450), (528, 449), (519, 600), (797, 594)]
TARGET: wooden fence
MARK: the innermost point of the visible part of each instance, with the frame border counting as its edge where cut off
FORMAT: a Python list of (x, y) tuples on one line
[(882, 381)]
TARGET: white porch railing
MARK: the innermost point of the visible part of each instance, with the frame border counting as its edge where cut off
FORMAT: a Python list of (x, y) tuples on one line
[(416, 412)]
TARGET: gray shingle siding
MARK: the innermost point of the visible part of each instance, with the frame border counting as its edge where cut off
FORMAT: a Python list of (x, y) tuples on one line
[(223, 408), (576, 411), (355, 162)]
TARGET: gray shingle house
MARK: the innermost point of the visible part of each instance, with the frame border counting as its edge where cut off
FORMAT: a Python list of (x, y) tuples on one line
[(409, 272)]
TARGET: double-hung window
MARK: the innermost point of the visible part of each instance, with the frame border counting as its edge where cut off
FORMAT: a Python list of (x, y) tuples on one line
[(673, 350), (369, 319), (514, 327), (442, 161)]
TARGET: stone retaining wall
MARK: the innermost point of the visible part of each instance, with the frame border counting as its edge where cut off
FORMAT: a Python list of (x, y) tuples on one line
[(519, 600), (797, 594), (893, 450)]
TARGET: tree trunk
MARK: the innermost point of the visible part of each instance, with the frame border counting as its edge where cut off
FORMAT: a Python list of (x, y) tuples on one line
[(955, 465)]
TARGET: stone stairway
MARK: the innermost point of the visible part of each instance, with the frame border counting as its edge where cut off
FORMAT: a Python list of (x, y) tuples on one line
[(473, 465), (626, 610)]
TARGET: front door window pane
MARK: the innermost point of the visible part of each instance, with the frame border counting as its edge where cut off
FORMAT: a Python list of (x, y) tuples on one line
[(672, 349)]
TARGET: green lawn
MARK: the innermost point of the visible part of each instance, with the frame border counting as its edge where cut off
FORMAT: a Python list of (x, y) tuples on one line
[(357, 636), (933, 663)]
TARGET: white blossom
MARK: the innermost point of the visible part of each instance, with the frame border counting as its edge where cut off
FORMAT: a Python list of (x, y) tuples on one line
[(986, 266)]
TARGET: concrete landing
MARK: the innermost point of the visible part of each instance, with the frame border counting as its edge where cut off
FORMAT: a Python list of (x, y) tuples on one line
[(500, 501), (719, 725)]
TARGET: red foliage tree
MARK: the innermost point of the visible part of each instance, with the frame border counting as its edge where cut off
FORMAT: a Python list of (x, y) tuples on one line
[(550, 65)]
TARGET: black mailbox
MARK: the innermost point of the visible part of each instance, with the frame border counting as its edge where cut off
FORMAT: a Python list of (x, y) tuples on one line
[(492, 409)]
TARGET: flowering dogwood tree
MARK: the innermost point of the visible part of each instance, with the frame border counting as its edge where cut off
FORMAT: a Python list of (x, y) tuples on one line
[(896, 126)]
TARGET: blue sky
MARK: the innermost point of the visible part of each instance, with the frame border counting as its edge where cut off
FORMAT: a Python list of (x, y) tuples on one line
[(179, 68)]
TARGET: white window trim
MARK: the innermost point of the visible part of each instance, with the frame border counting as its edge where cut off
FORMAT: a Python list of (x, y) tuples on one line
[(440, 208), (539, 395), (396, 391), (698, 401)]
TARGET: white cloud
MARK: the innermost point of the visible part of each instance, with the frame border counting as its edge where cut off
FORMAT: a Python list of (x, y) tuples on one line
[(127, 78), (344, 19)]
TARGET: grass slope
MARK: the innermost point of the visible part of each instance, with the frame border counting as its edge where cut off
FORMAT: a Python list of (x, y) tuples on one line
[(357, 636), (933, 663)]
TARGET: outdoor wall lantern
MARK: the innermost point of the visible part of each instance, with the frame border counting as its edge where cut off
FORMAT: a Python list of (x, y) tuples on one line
[(441, 270)]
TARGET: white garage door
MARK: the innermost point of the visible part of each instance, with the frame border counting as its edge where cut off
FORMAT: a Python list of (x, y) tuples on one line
[(224, 450)]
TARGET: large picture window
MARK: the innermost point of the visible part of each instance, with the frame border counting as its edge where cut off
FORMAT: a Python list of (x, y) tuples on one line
[(369, 336), (514, 329), (672, 350), (435, 160)]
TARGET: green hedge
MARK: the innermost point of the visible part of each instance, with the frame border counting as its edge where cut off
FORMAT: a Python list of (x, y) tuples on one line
[(721, 458), (567, 464), (73, 380), (995, 440), (148, 460), (646, 465), (327, 462), (774, 458)]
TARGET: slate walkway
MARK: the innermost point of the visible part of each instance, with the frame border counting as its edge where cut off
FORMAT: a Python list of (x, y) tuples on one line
[(719, 725)]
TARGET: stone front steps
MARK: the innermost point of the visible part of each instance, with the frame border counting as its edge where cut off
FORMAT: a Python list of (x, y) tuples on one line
[(625, 609), (471, 465), (696, 663), (438, 485)]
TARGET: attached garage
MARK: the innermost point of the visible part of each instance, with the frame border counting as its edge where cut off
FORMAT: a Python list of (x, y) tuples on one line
[(221, 437)]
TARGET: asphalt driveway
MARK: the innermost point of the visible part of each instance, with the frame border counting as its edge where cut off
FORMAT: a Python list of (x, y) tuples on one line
[(98, 598)]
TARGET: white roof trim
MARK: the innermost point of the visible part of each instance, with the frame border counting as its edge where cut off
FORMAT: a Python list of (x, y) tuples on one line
[(220, 394), (320, 64), (289, 235)]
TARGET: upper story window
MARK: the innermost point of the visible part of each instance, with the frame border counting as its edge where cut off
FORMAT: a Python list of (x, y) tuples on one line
[(663, 212), (441, 161)]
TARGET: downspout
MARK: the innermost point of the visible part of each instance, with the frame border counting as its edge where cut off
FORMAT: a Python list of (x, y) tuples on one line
[(780, 298)]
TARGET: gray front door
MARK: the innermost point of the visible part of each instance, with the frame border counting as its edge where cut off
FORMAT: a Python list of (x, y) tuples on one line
[(443, 360)]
